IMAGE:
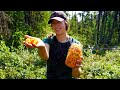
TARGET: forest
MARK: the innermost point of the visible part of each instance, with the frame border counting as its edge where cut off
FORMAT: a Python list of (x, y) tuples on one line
[(98, 32)]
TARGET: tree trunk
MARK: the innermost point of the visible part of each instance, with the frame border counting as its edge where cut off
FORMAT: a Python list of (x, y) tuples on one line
[(113, 28), (98, 27), (102, 29), (27, 17), (119, 27), (4, 30)]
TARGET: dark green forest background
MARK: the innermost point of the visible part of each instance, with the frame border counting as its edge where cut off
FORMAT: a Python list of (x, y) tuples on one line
[(98, 32)]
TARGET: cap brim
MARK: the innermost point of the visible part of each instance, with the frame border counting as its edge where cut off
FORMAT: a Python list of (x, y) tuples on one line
[(56, 18)]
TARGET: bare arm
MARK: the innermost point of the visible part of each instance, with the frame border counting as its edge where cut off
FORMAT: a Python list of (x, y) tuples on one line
[(43, 49), (76, 72), (44, 52)]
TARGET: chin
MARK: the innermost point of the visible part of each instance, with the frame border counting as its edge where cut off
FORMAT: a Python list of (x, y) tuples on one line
[(58, 33)]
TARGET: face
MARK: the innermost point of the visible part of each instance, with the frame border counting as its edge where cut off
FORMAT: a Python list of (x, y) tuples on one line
[(58, 27)]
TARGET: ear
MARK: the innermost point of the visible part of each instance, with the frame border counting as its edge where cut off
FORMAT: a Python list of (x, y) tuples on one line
[(51, 26)]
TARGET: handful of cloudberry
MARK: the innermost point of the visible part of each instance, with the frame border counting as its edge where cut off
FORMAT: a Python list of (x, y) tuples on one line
[(31, 41)]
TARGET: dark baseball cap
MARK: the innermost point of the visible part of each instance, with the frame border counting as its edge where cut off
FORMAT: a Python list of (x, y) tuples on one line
[(57, 15)]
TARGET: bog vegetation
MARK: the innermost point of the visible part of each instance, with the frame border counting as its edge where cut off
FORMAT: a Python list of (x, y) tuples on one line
[(98, 32)]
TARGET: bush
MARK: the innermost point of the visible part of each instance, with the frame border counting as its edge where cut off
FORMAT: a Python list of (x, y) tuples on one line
[(23, 64), (101, 67)]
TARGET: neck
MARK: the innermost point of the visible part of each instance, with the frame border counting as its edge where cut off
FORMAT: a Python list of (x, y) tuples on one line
[(62, 38)]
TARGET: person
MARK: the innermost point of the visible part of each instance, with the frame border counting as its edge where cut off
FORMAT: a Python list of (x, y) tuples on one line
[(54, 49)]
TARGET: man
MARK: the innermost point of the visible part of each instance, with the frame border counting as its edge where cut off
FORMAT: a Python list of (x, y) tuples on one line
[(54, 50)]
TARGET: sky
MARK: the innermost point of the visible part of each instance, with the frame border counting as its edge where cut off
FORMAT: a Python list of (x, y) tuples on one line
[(73, 12)]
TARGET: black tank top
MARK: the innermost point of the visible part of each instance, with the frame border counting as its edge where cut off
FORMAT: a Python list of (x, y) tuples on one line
[(56, 68)]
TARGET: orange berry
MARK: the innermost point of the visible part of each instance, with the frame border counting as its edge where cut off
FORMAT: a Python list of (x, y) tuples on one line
[(34, 41), (31, 40), (28, 40)]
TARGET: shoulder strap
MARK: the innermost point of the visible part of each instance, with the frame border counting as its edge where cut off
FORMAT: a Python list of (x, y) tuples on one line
[(72, 40), (53, 39)]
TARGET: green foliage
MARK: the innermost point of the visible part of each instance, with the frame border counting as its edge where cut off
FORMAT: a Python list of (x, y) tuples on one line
[(18, 62), (38, 26), (26, 64), (39, 23), (22, 64), (101, 67)]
